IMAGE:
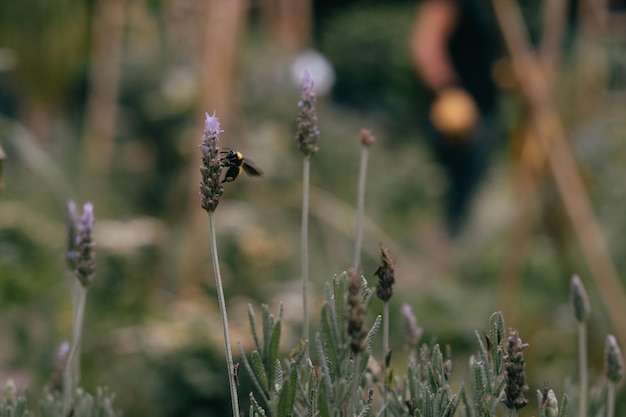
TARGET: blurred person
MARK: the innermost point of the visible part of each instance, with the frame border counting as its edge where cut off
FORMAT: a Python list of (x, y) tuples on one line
[(453, 50)]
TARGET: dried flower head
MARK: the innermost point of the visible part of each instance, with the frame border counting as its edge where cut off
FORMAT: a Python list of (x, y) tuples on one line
[(85, 256), (613, 360), (211, 189), (385, 274), (308, 133), (367, 139), (356, 312), (579, 299), (515, 372)]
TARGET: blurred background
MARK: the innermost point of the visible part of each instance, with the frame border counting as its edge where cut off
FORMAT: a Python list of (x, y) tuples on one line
[(104, 101)]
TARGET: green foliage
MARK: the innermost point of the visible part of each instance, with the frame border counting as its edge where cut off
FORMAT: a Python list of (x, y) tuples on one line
[(340, 382), (331, 386), (83, 404), (368, 48)]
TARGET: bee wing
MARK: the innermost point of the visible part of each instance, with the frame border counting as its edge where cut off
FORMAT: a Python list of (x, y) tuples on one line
[(251, 168)]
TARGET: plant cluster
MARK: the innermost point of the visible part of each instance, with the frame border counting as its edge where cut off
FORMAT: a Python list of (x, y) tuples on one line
[(334, 372)]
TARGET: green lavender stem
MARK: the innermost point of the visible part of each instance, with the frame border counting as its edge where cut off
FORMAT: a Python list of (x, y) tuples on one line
[(385, 351), (610, 400), (306, 169), (73, 360), (222, 304), (360, 207), (582, 366)]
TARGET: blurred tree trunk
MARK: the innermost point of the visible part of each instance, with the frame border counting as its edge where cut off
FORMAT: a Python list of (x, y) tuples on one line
[(288, 22), (104, 75), (224, 25), (185, 20)]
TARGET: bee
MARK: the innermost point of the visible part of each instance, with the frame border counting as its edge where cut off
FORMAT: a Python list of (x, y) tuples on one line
[(235, 163)]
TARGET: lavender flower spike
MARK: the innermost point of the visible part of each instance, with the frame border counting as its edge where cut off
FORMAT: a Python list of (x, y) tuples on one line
[(211, 188), (308, 133), (85, 256), (613, 361)]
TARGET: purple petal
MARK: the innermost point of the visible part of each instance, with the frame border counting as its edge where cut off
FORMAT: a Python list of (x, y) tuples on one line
[(212, 125), (307, 81), (88, 219)]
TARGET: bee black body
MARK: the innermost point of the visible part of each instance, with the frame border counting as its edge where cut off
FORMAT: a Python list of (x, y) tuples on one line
[(234, 163)]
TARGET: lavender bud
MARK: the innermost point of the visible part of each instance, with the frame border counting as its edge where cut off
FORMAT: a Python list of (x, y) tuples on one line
[(579, 299), (211, 188), (85, 256), (308, 133), (613, 360), (367, 139), (10, 392), (60, 362), (550, 404)]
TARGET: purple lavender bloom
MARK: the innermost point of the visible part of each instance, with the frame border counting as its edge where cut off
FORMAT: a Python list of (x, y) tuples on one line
[(308, 133), (211, 189)]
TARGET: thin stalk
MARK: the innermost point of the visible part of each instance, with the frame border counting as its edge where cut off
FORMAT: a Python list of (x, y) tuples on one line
[(582, 366), (306, 169), (512, 412), (73, 360), (222, 304), (385, 351), (610, 399), (360, 204), (354, 384)]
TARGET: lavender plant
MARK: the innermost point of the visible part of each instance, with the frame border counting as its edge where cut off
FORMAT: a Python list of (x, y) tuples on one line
[(80, 258), (613, 370), (332, 387), (384, 291), (211, 190), (579, 301), (75, 401), (307, 136), (367, 141)]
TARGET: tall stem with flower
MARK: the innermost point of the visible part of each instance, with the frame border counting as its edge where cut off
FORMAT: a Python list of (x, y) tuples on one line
[(81, 259), (211, 189), (384, 291), (367, 140), (581, 309), (613, 370), (307, 136)]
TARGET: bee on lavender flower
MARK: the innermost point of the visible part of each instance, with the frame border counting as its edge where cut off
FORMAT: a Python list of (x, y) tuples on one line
[(235, 163)]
